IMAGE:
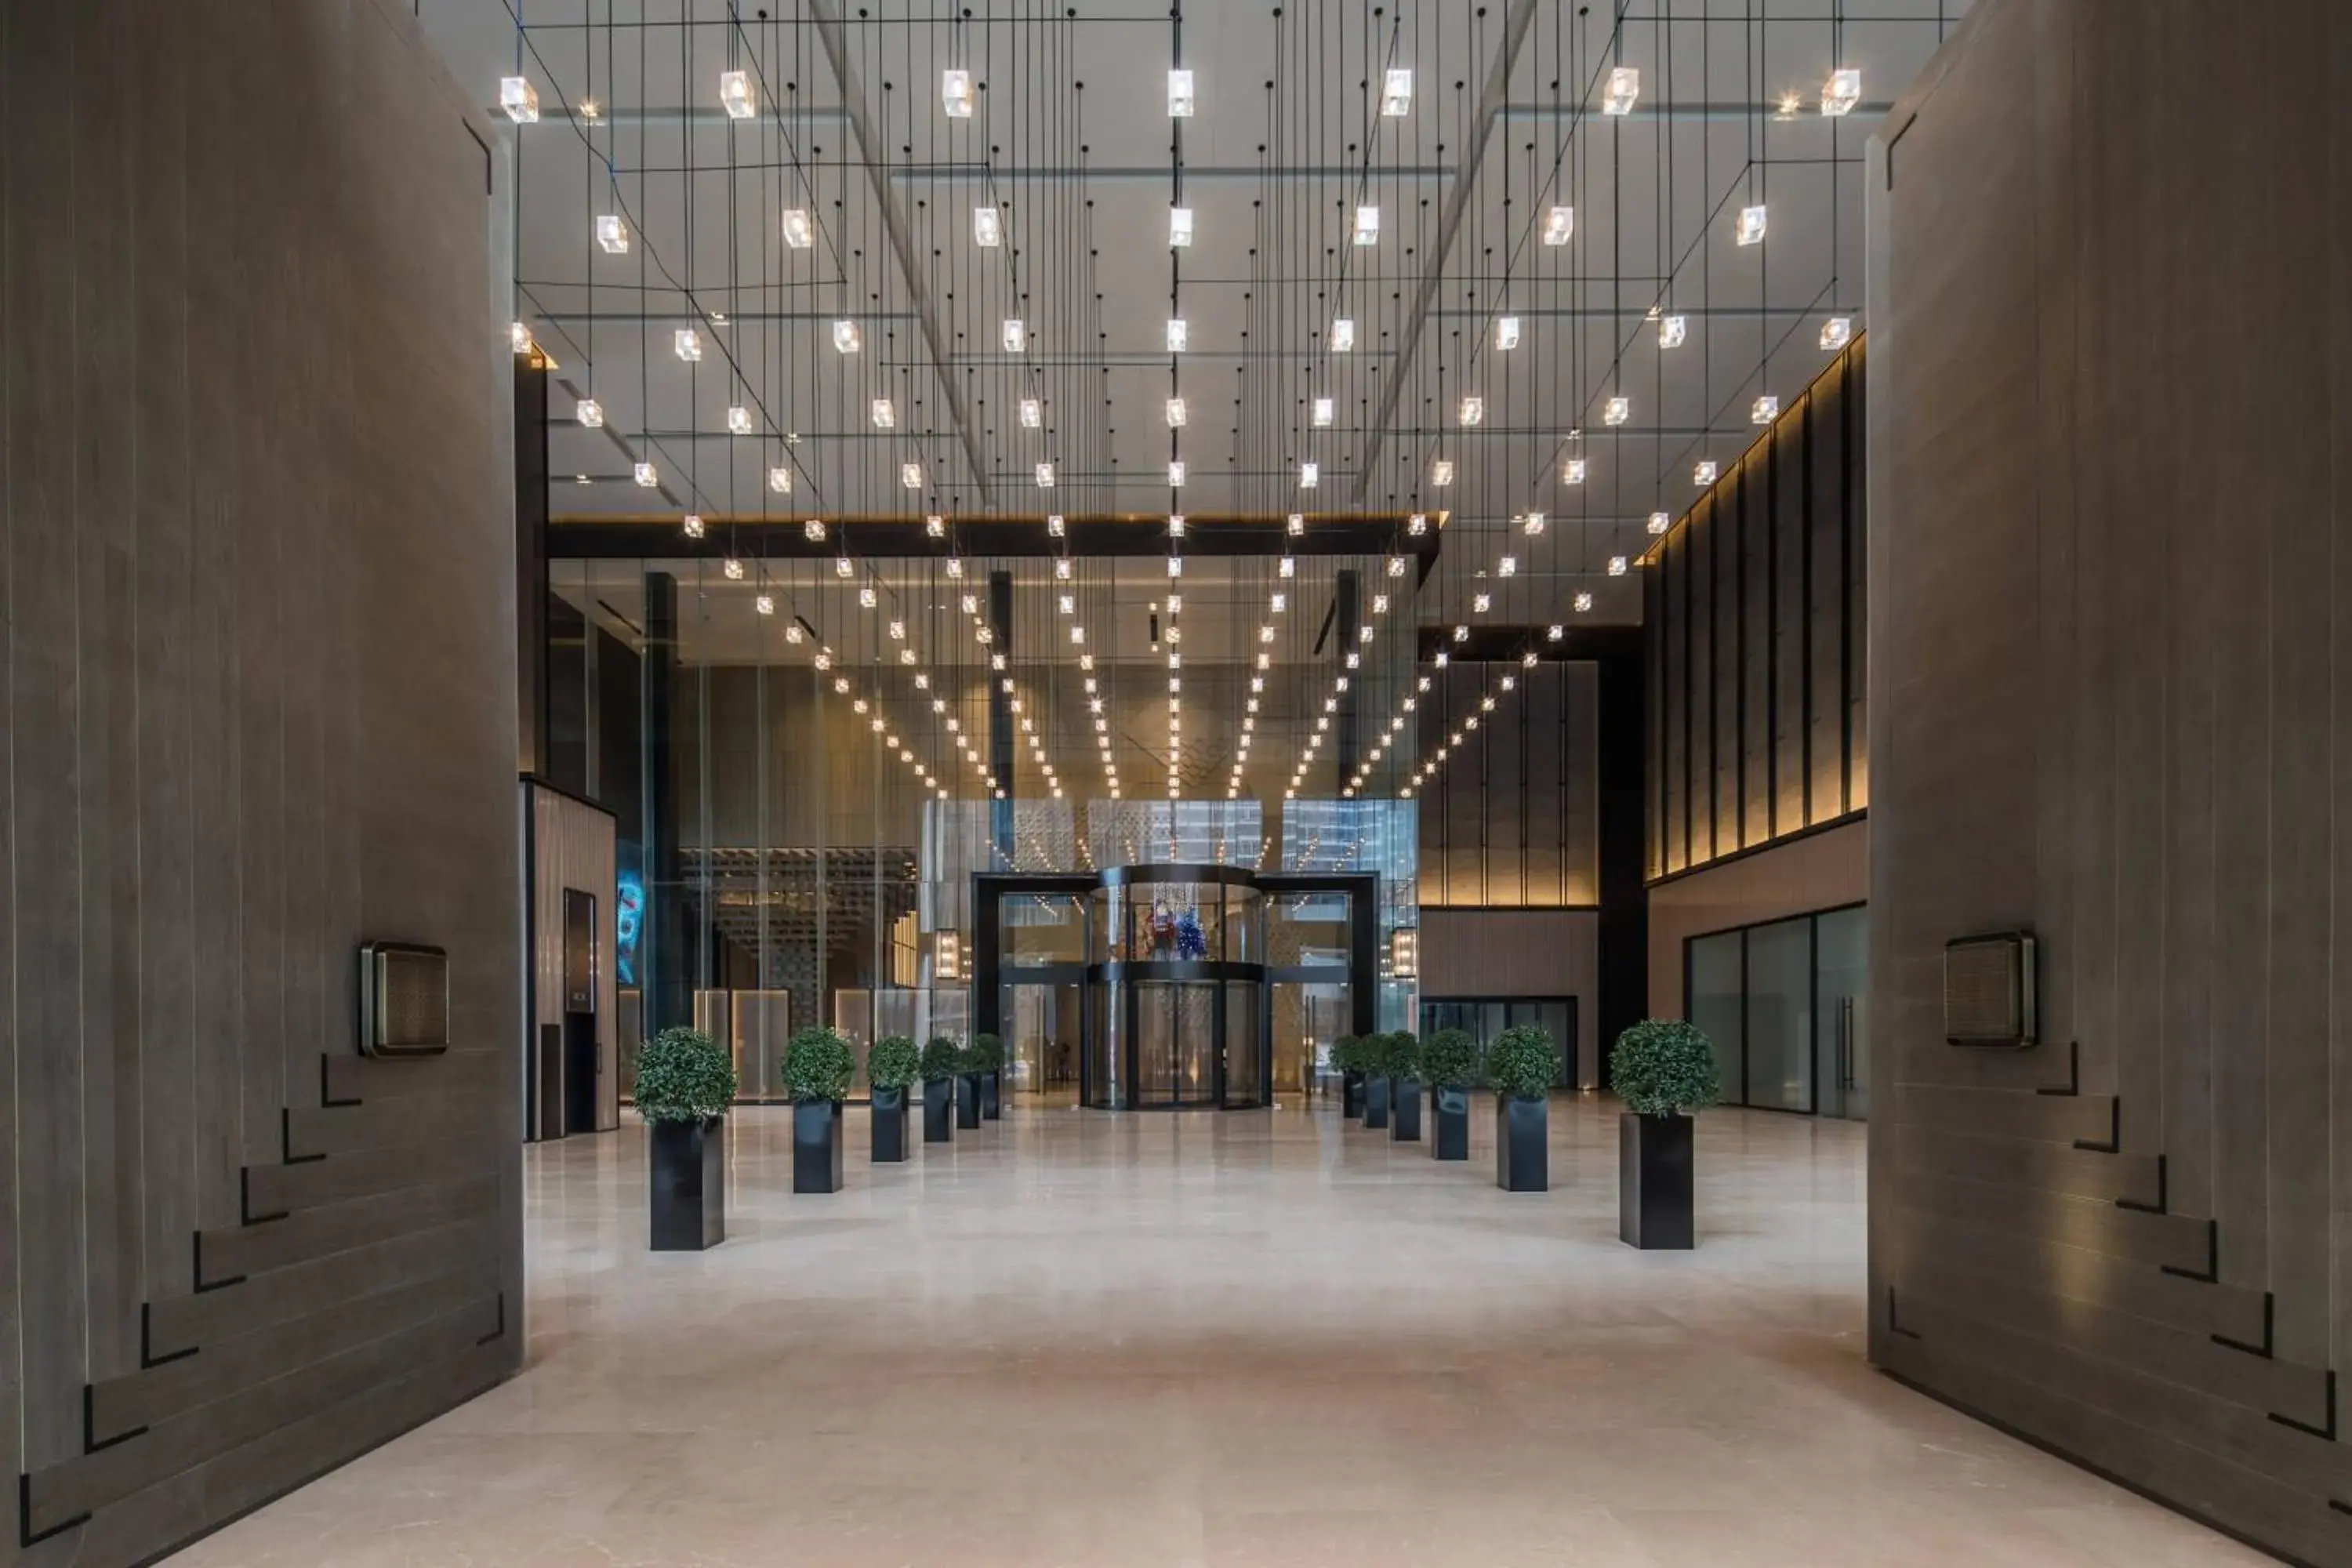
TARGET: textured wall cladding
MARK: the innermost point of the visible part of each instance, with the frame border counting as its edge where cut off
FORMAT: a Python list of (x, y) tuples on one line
[(260, 708), (2113, 650)]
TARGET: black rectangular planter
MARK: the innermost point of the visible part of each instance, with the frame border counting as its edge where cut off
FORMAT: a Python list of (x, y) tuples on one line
[(687, 1165), (1351, 1095), (1404, 1109), (967, 1100), (1376, 1102), (1654, 1181), (816, 1146), (939, 1111), (1449, 1124), (1522, 1164), (888, 1142), (991, 1087)]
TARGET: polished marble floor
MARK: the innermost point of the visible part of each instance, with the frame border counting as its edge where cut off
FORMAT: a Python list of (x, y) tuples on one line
[(1083, 1341)]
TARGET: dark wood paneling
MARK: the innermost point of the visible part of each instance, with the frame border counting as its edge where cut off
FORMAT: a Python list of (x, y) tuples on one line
[(2109, 662), (1755, 641), (260, 711)]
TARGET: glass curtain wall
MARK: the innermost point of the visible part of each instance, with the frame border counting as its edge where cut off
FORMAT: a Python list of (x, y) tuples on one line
[(804, 758), (1783, 1002)]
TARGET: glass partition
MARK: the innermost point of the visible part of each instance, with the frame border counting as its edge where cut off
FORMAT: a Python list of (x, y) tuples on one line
[(1784, 1003)]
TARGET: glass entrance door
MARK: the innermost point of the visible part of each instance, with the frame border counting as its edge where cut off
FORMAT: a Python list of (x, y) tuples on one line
[(1175, 1042), (1042, 1033), (1842, 980)]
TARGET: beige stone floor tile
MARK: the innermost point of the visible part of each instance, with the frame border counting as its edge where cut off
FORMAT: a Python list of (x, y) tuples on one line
[(1082, 1341)]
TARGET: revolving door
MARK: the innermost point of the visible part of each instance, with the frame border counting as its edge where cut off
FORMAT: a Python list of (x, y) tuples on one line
[(1179, 992)]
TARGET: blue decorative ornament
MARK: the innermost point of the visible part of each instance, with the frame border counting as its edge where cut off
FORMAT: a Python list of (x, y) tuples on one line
[(1191, 941)]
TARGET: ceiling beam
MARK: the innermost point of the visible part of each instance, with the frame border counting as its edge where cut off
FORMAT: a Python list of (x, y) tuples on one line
[(1491, 99), (894, 221)]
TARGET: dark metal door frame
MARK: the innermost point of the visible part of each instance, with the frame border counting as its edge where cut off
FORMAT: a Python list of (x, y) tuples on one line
[(1361, 972)]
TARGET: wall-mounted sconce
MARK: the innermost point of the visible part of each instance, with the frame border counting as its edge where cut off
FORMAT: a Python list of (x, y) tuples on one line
[(1404, 953), (947, 955)]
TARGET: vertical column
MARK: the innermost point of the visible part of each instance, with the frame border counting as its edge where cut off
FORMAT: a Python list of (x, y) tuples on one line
[(1625, 922), (1347, 617), (530, 561), (999, 714), (662, 957)]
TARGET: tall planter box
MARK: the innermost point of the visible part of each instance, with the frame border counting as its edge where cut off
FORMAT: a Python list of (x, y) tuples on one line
[(1522, 1163), (1351, 1095), (967, 1095), (1404, 1110), (1654, 1181), (939, 1111), (1376, 1101), (816, 1146), (992, 1107), (1449, 1124), (887, 1144), (686, 1165)]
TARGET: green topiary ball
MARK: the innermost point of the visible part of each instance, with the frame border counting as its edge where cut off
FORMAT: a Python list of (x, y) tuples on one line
[(986, 1054), (942, 1058), (893, 1063), (818, 1066), (1523, 1063), (1665, 1067), (683, 1076), (1404, 1055), (1449, 1058), (1347, 1054)]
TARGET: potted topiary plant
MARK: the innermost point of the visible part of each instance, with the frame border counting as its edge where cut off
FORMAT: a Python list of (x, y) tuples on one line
[(1522, 1065), (817, 1068), (1449, 1060), (967, 1084), (1348, 1061), (1372, 1057), (684, 1083), (1404, 1087), (890, 1067), (1664, 1069), (941, 1060), (987, 1056)]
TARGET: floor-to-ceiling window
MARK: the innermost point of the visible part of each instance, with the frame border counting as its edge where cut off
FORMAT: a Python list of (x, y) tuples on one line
[(1783, 1002)]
